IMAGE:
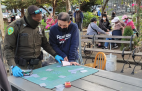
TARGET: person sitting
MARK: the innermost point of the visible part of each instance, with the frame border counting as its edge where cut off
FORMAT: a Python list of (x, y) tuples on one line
[(94, 29), (130, 23), (104, 23), (118, 31)]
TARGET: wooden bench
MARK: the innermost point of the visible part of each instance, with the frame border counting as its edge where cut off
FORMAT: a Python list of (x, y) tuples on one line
[(95, 38), (134, 54)]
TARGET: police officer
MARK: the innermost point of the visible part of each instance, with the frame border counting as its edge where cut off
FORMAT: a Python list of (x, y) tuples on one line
[(23, 41)]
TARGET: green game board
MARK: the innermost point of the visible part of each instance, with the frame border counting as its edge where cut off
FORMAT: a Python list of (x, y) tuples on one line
[(52, 76)]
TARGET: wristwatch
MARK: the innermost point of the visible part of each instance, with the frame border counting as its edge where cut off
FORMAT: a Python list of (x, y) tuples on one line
[(12, 67)]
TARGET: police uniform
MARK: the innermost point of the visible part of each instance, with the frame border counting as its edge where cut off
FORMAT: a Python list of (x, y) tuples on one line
[(31, 39)]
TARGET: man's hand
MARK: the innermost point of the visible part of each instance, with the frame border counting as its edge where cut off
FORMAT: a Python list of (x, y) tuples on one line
[(17, 72), (66, 59), (58, 58), (107, 33), (74, 63), (108, 30)]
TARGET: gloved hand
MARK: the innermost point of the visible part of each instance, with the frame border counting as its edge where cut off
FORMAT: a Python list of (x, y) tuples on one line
[(17, 72), (58, 58)]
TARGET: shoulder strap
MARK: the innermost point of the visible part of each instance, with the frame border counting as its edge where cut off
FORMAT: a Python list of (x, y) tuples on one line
[(18, 23), (94, 29)]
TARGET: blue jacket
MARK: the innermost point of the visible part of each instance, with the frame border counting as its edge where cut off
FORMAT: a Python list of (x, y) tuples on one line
[(99, 13), (65, 43), (81, 14)]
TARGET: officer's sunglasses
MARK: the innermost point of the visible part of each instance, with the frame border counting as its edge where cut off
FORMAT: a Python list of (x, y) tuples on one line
[(37, 11)]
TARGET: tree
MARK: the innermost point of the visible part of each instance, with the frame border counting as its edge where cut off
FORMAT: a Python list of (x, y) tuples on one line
[(68, 5), (1, 22), (18, 4), (85, 6), (23, 4), (138, 14), (104, 6)]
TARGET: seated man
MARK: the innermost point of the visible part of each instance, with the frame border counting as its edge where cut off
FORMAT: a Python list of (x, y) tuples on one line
[(93, 29), (64, 38)]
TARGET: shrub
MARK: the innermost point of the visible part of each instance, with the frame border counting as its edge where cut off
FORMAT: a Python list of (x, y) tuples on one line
[(127, 32), (43, 23), (87, 18)]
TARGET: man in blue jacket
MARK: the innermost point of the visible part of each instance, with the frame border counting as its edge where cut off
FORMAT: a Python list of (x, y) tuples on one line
[(64, 38), (78, 15)]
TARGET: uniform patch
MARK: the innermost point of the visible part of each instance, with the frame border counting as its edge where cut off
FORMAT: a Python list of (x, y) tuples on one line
[(10, 30)]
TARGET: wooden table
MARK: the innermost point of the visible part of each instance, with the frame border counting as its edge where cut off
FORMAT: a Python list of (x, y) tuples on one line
[(100, 81)]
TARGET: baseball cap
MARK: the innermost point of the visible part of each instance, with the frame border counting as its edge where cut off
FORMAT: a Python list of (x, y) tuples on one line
[(116, 19), (124, 16)]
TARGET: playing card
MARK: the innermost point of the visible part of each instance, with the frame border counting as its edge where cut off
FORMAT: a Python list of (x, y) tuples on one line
[(62, 76), (49, 69), (44, 78), (34, 75), (83, 71), (42, 84), (58, 66), (65, 63), (74, 72)]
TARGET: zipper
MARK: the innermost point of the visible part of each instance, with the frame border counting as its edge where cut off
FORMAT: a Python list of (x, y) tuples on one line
[(34, 42)]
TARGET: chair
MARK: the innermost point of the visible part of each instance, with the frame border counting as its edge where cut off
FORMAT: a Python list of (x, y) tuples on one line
[(99, 61)]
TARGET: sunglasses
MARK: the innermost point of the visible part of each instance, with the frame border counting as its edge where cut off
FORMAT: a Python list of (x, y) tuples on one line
[(37, 11)]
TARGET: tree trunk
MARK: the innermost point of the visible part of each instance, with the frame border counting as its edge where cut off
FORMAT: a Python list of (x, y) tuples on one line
[(104, 6), (138, 14), (22, 12), (15, 10), (1, 23), (68, 5), (54, 7)]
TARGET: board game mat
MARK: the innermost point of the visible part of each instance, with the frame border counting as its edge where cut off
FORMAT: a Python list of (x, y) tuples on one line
[(56, 74)]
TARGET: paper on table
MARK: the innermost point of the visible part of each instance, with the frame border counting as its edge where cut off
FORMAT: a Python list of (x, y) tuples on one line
[(71, 70), (34, 75), (58, 66), (60, 87), (83, 71), (110, 33), (27, 76), (74, 72), (44, 78), (65, 63), (62, 76), (79, 69), (49, 69), (42, 84)]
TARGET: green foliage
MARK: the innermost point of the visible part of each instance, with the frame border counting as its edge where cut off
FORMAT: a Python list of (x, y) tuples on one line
[(43, 23), (87, 17), (127, 32), (11, 4), (85, 6)]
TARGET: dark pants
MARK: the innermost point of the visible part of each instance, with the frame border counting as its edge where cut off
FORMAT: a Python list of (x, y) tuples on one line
[(116, 33), (79, 24)]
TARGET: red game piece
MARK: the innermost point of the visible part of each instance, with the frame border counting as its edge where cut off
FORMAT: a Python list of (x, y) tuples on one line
[(67, 84)]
